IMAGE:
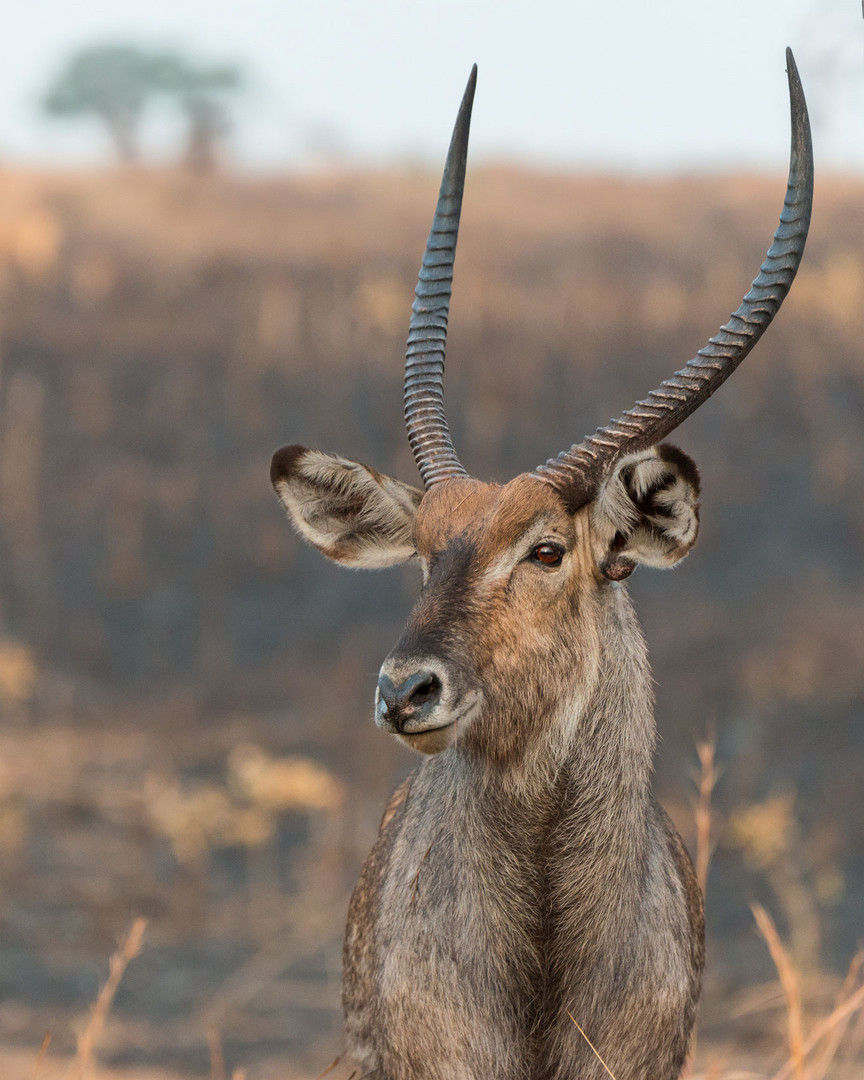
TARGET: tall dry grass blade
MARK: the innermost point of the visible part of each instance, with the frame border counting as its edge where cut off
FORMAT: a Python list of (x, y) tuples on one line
[(764, 997), (856, 1039), (706, 781), (217, 1054), (714, 1070), (593, 1047), (40, 1057), (329, 1068), (823, 1063), (852, 1005), (791, 984), (312, 928), (89, 1039)]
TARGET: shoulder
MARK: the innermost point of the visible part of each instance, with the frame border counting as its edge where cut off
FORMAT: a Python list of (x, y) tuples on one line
[(685, 873)]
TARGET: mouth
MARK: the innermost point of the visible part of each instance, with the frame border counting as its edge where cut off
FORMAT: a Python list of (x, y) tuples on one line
[(434, 740), (436, 737), (430, 741)]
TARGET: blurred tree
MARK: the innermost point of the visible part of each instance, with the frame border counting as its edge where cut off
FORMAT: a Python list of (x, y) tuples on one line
[(112, 81), (200, 93), (116, 82)]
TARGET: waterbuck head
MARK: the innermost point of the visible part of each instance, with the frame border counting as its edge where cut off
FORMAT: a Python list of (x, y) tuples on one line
[(521, 580)]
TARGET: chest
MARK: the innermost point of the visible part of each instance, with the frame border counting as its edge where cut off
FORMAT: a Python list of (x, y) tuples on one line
[(487, 891)]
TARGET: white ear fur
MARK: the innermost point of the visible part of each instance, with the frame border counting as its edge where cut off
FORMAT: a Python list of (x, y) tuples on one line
[(648, 510), (351, 513)]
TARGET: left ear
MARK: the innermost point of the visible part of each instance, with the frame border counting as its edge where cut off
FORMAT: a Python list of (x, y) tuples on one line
[(649, 511)]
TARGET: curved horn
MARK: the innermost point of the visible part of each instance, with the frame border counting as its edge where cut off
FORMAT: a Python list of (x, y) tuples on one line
[(577, 472), (427, 333)]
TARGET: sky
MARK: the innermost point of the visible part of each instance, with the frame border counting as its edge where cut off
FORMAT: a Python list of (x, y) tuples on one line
[(651, 86)]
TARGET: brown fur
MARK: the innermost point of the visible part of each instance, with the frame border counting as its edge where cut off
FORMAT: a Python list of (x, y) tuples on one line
[(524, 871)]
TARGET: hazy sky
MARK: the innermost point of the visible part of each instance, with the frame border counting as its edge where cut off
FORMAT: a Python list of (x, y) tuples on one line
[(653, 85)]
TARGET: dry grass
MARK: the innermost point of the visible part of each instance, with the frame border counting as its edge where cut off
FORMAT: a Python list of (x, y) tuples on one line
[(84, 1066), (593, 1047), (811, 1057), (826, 1048), (92, 1033), (706, 781), (810, 1054), (299, 250), (791, 984), (40, 1057)]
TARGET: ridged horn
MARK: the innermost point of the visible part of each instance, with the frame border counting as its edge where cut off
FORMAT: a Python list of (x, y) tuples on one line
[(577, 472), (427, 333)]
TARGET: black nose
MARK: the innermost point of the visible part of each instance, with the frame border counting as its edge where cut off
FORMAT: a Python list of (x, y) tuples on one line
[(411, 700)]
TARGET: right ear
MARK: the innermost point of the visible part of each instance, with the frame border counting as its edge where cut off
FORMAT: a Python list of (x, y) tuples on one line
[(351, 513)]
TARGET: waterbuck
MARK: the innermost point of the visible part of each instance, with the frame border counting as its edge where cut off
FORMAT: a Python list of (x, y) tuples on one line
[(525, 884)]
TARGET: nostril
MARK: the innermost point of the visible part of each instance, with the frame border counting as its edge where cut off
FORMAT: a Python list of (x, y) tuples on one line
[(410, 701), (419, 691), (426, 691)]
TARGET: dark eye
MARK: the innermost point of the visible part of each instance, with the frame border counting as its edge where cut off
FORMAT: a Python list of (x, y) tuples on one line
[(547, 554)]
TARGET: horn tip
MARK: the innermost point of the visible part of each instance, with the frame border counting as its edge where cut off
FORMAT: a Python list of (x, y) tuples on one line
[(470, 87), (792, 71), (801, 138)]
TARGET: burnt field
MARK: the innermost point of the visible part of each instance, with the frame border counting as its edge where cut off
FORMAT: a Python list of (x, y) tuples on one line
[(185, 691)]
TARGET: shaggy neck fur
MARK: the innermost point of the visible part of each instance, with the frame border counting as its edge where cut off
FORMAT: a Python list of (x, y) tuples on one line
[(602, 735)]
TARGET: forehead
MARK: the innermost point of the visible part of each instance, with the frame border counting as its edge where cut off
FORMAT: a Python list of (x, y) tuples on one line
[(490, 515)]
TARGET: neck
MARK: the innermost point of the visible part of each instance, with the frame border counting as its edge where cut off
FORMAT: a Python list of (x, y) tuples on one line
[(597, 743), (612, 742)]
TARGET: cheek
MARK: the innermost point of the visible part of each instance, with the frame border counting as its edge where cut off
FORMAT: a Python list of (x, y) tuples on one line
[(538, 635)]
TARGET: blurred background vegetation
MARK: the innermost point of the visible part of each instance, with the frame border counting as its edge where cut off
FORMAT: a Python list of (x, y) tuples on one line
[(116, 83), (185, 691)]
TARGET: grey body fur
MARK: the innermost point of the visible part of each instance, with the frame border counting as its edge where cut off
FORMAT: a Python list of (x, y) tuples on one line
[(524, 880), (495, 903)]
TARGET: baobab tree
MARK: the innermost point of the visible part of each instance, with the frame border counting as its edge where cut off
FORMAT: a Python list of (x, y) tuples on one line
[(117, 82), (200, 91), (112, 82)]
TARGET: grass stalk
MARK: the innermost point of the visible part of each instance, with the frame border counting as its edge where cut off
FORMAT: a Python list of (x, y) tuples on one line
[(92, 1034), (791, 984)]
